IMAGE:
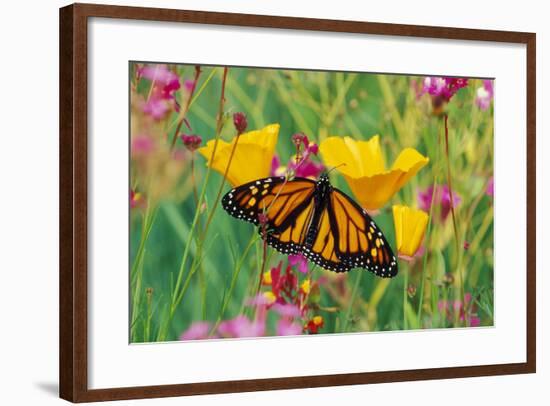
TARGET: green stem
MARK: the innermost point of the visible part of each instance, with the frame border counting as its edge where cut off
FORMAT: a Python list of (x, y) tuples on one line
[(425, 259), (238, 268), (195, 97), (352, 300), (220, 189), (146, 229), (202, 276), (187, 105), (405, 271), (147, 333), (176, 294), (455, 228), (449, 182), (262, 267), (137, 268), (222, 184)]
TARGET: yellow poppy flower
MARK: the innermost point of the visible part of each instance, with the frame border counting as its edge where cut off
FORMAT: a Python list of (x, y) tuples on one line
[(410, 226), (252, 158), (365, 170)]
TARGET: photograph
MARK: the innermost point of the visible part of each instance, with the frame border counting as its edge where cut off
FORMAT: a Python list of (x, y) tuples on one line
[(280, 202), (274, 204)]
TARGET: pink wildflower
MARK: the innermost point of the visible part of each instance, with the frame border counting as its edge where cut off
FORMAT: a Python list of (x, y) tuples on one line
[(241, 326), (463, 308), (287, 310), (490, 190), (142, 145), (166, 81), (443, 87), (484, 95), (286, 327), (299, 262), (441, 197), (197, 331), (162, 98)]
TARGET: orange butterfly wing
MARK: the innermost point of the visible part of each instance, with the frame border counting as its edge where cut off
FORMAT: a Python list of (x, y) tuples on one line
[(322, 247), (343, 237), (287, 205), (360, 242)]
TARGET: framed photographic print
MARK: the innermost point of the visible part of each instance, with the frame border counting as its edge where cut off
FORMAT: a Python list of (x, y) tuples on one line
[(256, 202)]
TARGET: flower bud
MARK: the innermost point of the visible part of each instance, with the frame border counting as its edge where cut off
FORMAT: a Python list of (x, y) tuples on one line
[(411, 290), (240, 122), (299, 138), (191, 141), (263, 219)]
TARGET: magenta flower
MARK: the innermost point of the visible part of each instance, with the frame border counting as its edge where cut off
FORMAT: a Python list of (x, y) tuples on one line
[(441, 197), (463, 308), (286, 327), (158, 73), (299, 262), (162, 97), (312, 148), (284, 284), (475, 321), (434, 85), (484, 95), (287, 296), (241, 326), (197, 331), (298, 139), (443, 87), (170, 88), (490, 190), (306, 168), (309, 169), (191, 141), (156, 107), (166, 80)]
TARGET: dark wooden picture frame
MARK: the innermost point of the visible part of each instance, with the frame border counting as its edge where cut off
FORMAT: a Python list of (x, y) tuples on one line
[(73, 361)]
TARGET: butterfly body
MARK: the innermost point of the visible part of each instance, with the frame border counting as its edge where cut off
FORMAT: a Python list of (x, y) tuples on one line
[(314, 219), (320, 196)]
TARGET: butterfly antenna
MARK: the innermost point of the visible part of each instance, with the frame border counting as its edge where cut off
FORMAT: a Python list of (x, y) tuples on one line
[(335, 167)]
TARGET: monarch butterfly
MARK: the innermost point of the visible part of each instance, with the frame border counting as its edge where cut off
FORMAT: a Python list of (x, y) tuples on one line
[(313, 218)]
